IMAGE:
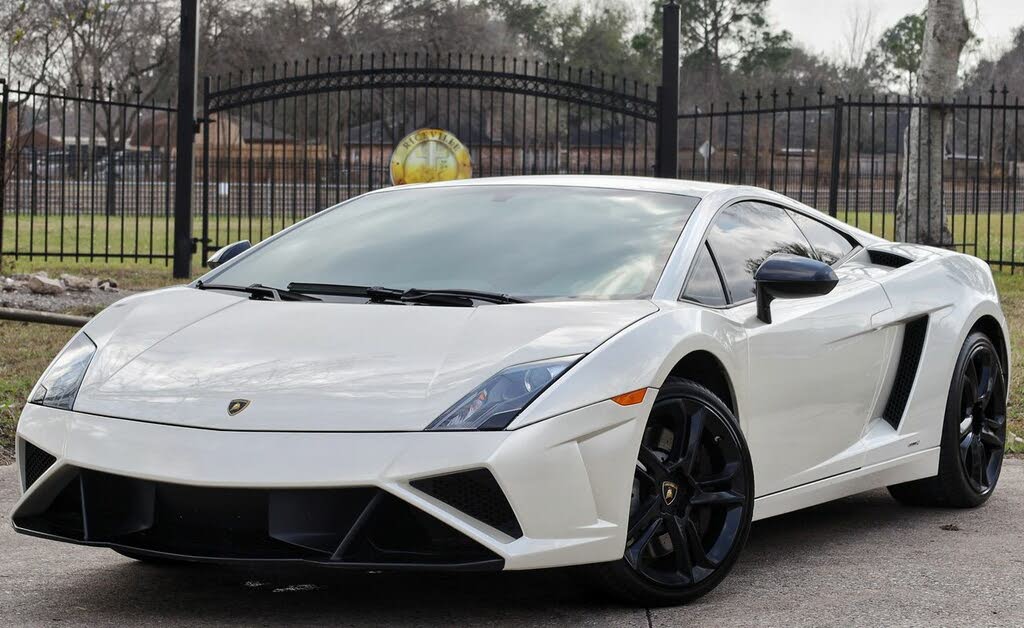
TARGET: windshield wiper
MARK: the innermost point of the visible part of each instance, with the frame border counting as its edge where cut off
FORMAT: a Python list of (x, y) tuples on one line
[(372, 293), (259, 292), (454, 297), (415, 295)]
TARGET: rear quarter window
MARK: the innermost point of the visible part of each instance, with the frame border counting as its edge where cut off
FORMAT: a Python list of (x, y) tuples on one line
[(829, 245)]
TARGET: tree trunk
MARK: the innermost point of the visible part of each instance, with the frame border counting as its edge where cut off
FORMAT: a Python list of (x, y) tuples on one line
[(919, 215)]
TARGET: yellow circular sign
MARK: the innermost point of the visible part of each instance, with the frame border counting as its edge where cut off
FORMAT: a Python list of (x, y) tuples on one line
[(427, 155)]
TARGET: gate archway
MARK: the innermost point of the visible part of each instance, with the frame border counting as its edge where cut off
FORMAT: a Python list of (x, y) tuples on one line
[(282, 143)]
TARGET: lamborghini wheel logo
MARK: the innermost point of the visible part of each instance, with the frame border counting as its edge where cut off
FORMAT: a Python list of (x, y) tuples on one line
[(669, 490), (237, 405)]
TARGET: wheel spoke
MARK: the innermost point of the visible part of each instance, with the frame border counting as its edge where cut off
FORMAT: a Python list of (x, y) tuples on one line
[(965, 445), (971, 375), (697, 552), (990, 438), (717, 498), (984, 379), (680, 546), (647, 512), (633, 553), (995, 423), (678, 414), (727, 474), (694, 433), (978, 462), (655, 467)]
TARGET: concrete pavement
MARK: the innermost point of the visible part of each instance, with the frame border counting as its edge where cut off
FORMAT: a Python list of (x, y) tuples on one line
[(864, 560)]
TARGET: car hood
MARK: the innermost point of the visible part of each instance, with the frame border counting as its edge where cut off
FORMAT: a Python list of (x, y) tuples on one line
[(180, 356)]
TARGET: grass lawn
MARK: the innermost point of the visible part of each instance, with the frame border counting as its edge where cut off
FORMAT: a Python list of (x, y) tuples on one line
[(99, 239)]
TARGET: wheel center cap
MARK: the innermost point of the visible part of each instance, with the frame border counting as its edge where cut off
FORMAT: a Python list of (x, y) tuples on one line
[(669, 492)]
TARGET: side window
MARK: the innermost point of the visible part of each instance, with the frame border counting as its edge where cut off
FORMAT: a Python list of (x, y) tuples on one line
[(744, 235), (830, 245), (704, 285)]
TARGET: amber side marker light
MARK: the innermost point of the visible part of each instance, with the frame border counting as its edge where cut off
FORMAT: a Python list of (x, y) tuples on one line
[(631, 398)]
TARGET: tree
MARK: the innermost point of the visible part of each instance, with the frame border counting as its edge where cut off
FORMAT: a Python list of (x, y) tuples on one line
[(858, 36), (1006, 68), (721, 36), (919, 215), (898, 52)]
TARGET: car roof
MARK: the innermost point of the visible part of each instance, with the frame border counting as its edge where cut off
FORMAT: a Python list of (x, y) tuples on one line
[(697, 189), (713, 196)]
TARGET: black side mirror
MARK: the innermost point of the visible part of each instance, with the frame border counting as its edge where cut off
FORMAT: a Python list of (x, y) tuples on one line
[(228, 252), (785, 276)]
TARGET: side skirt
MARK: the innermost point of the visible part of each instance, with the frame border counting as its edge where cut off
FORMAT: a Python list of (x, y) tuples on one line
[(921, 464)]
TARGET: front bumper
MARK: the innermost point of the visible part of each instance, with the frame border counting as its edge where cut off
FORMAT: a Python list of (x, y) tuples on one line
[(335, 498)]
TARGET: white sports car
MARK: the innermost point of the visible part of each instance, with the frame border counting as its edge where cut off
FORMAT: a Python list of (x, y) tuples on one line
[(521, 373)]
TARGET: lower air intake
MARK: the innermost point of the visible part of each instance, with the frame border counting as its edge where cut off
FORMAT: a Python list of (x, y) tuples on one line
[(37, 462), (475, 493), (358, 527)]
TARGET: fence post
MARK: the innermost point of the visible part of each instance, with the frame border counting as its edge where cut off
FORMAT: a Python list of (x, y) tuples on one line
[(4, 108), (668, 101), (184, 164), (205, 245), (837, 150)]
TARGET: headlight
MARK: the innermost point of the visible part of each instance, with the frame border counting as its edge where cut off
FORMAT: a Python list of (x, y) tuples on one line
[(59, 385), (494, 404)]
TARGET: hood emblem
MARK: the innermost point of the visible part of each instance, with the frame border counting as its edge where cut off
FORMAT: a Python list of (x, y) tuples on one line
[(237, 405), (669, 490)]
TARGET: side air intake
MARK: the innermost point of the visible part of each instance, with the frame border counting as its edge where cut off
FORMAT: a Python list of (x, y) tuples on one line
[(475, 493), (37, 462), (906, 370), (885, 258)]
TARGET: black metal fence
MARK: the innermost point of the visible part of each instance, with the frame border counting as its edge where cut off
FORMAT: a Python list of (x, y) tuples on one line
[(847, 156), (89, 175), (284, 142), (85, 175)]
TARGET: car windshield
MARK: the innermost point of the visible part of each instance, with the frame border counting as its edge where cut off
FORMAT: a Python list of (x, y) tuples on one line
[(531, 242)]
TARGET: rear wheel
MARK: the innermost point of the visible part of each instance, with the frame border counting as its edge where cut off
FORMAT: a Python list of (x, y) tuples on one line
[(691, 504), (973, 433)]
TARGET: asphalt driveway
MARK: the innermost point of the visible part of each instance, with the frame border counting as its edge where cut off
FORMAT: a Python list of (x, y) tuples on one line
[(864, 560)]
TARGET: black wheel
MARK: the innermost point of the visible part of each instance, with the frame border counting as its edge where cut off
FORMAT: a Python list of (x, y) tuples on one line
[(973, 433), (691, 504)]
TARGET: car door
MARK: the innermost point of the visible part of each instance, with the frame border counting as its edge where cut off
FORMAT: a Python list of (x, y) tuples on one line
[(815, 370)]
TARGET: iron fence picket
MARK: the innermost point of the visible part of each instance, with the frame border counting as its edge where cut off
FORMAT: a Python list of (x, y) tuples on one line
[(89, 175)]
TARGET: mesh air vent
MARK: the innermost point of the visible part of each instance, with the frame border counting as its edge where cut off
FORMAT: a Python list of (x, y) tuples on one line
[(475, 493)]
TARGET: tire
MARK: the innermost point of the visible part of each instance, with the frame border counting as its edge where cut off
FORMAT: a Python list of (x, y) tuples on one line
[(691, 504), (973, 433)]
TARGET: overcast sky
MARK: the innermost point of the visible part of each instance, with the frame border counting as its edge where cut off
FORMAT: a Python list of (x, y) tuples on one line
[(820, 24)]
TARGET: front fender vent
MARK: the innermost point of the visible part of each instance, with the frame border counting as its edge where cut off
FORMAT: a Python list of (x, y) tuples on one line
[(475, 493), (37, 462), (906, 371)]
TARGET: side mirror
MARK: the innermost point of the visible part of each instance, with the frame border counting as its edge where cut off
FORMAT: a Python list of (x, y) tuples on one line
[(228, 252), (785, 276)]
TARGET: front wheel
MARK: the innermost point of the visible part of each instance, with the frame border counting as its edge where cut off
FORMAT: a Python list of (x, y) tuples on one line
[(691, 503)]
